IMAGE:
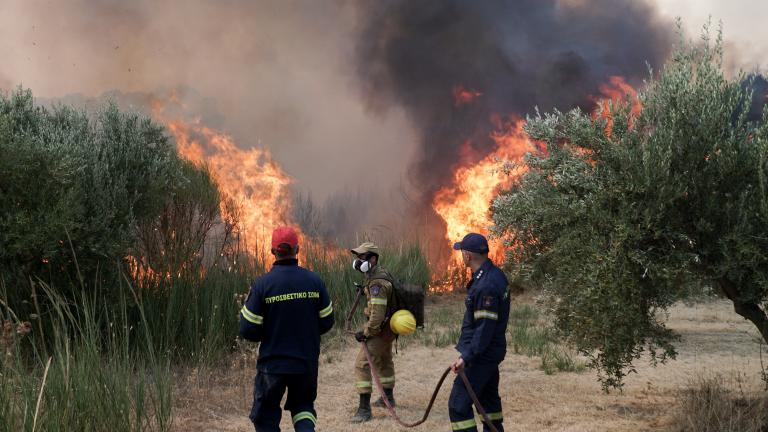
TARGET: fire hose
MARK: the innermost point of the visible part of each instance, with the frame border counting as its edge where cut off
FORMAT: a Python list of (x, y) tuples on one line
[(390, 408)]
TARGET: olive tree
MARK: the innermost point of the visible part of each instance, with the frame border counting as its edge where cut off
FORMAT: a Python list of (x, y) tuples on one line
[(77, 190), (621, 215)]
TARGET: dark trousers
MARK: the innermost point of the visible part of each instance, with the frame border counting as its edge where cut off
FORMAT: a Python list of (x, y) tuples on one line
[(484, 379), (268, 390)]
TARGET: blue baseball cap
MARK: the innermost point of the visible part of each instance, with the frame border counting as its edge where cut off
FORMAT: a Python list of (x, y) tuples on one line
[(473, 242)]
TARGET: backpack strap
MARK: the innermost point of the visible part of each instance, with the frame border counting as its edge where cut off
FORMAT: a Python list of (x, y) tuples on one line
[(385, 276)]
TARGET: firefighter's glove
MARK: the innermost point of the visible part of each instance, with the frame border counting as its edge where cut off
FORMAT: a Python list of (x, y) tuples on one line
[(360, 336)]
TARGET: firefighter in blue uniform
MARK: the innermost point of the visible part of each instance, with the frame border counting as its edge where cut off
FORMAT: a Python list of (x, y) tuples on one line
[(287, 310), (482, 343)]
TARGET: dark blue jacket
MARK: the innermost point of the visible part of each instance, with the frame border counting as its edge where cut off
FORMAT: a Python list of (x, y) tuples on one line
[(287, 310), (483, 332)]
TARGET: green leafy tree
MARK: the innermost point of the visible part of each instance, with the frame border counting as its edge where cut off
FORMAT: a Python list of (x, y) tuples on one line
[(620, 216), (85, 186)]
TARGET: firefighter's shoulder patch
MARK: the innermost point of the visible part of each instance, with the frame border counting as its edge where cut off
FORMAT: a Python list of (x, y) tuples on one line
[(375, 290), (488, 301)]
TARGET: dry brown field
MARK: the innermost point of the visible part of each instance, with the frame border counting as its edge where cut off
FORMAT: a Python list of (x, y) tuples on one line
[(714, 341)]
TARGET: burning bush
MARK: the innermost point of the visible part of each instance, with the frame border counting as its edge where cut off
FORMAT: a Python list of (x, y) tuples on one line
[(174, 242)]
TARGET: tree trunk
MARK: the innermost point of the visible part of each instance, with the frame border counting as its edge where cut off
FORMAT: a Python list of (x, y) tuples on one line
[(749, 310)]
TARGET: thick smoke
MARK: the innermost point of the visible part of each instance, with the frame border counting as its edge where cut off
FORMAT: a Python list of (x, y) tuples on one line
[(274, 74), (519, 54), (284, 75)]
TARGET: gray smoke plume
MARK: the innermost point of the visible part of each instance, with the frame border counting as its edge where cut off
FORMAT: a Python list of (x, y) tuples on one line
[(519, 54), (272, 74), (286, 74)]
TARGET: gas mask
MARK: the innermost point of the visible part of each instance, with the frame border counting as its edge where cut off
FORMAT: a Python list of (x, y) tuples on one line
[(360, 265)]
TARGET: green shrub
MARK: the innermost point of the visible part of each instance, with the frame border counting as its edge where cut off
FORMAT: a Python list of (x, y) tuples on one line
[(557, 360), (530, 334), (78, 185)]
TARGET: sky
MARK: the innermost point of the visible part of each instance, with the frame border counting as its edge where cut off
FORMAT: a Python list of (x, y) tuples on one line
[(744, 27)]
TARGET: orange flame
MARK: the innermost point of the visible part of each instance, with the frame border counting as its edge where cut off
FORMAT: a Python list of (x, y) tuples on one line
[(463, 96), (464, 205), (617, 91), (140, 271), (250, 176)]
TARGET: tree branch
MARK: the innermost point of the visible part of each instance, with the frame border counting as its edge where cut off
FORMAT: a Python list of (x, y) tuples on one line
[(749, 310)]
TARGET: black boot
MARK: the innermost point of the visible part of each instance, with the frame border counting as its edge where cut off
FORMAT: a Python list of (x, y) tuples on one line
[(363, 413), (380, 402)]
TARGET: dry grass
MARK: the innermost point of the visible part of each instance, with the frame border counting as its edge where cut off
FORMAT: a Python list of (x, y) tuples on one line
[(717, 404), (714, 340)]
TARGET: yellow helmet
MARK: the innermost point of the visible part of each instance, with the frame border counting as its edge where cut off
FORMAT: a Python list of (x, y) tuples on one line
[(402, 322)]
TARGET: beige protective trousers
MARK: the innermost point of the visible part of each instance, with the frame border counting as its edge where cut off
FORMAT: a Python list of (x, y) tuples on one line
[(381, 355)]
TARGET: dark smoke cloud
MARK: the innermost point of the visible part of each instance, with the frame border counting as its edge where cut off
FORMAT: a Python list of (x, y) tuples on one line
[(519, 54)]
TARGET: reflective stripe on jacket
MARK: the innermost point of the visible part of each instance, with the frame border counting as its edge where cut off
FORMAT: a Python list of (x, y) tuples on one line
[(483, 331), (379, 292), (287, 310)]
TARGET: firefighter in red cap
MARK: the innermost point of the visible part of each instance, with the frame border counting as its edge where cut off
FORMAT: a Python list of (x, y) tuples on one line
[(376, 334), (287, 310)]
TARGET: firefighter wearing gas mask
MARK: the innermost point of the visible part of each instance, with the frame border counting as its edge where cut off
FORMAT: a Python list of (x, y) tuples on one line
[(376, 333)]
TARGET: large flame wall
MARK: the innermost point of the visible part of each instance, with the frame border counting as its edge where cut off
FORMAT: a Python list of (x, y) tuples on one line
[(255, 183)]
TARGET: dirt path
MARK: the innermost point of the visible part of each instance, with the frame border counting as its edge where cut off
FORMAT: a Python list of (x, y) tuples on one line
[(714, 340)]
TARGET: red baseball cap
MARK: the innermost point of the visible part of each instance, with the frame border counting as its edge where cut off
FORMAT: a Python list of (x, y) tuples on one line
[(284, 235)]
